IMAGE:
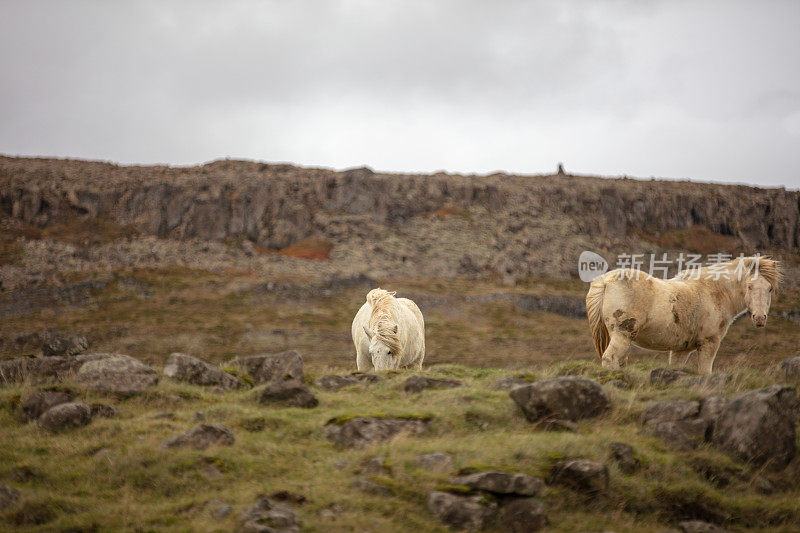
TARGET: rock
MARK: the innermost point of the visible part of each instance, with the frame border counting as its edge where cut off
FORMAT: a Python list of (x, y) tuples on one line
[(359, 431), (791, 368), (285, 366), (710, 409), (8, 497), (669, 376), (505, 483), (335, 383), (66, 416), (290, 393), (65, 345), (436, 462), (697, 526), (523, 515), (619, 384), (366, 377), (462, 512), (581, 475), (119, 375), (666, 376), (268, 516), (563, 399), (45, 369), (220, 510), (622, 454), (186, 368), (212, 472), (368, 486), (508, 383), (676, 423), (103, 411), (420, 383), (376, 466), (40, 401), (202, 436), (759, 427)]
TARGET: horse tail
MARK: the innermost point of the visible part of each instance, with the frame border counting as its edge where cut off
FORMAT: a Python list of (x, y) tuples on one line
[(594, 311)]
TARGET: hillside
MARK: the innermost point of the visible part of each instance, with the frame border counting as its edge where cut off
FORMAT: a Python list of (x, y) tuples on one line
[(254, 272)]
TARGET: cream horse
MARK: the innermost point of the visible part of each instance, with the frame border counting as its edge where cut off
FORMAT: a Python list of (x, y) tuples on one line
[(389, 333), (689, 312)]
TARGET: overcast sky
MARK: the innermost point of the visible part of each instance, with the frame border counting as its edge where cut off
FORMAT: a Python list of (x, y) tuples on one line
[(700, 90)]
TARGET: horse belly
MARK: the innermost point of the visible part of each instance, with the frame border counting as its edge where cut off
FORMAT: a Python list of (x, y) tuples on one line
[(662, 335)]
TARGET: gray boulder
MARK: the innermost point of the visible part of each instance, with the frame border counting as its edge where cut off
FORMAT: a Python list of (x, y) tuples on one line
[(8, 497), (676, 423), (420, 383), (289, 393), (285, 366), (622, 454), (505, 483), (64, 345), (561, 401), (666, 376), (186, 368), (791, 368), (436, 462), (759, 427), (268, 516), (581, 475), (202, 436), (359, 431), (66, 416), (45, 369), (38, 402), (470, 512), (522, 515), (119, 374), (335, 383)]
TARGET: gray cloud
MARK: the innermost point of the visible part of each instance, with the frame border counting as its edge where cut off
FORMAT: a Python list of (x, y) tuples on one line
[(707, 90)]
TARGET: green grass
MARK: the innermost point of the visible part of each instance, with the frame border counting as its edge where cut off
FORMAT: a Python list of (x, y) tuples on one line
[(113, 474)]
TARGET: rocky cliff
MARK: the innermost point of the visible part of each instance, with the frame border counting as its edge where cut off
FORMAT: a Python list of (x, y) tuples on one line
[(412, 225)]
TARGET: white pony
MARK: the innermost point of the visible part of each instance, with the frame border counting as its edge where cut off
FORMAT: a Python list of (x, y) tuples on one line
[(689, 312), (389, 333)]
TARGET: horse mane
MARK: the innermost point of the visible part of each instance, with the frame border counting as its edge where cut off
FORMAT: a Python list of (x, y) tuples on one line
[(381, 320), (768, 268)]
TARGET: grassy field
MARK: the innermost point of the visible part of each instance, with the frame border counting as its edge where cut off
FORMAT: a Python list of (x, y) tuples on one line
[(113, 474)]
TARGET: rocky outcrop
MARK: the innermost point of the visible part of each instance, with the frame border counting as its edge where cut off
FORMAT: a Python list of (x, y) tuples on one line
[(470, 512), (66, 416), (560, 402), (759, 427), (581, 475), (285, 366), (119, 374), (268, 516), (791, 368), (359, 431), (676, 422), (45, 369), (501, 483), (420, 383), (64, 345), (289, 393), (275, 206), (202, 436), (622, 454), (186, 368), (36, 403), (335, 383)]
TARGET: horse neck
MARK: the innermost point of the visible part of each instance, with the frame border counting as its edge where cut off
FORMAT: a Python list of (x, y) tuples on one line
[(734, 303)]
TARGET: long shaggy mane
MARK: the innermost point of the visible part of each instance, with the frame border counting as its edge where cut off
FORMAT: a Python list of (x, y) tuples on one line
[(382, 321)]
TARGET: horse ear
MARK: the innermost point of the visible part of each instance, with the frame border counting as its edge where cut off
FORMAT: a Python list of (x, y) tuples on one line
[(368, 332), (395, 328)]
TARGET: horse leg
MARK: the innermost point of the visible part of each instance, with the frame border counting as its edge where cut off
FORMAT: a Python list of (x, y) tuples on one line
[(617, 347), (675, 355), (706, 354), (363, 361)]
